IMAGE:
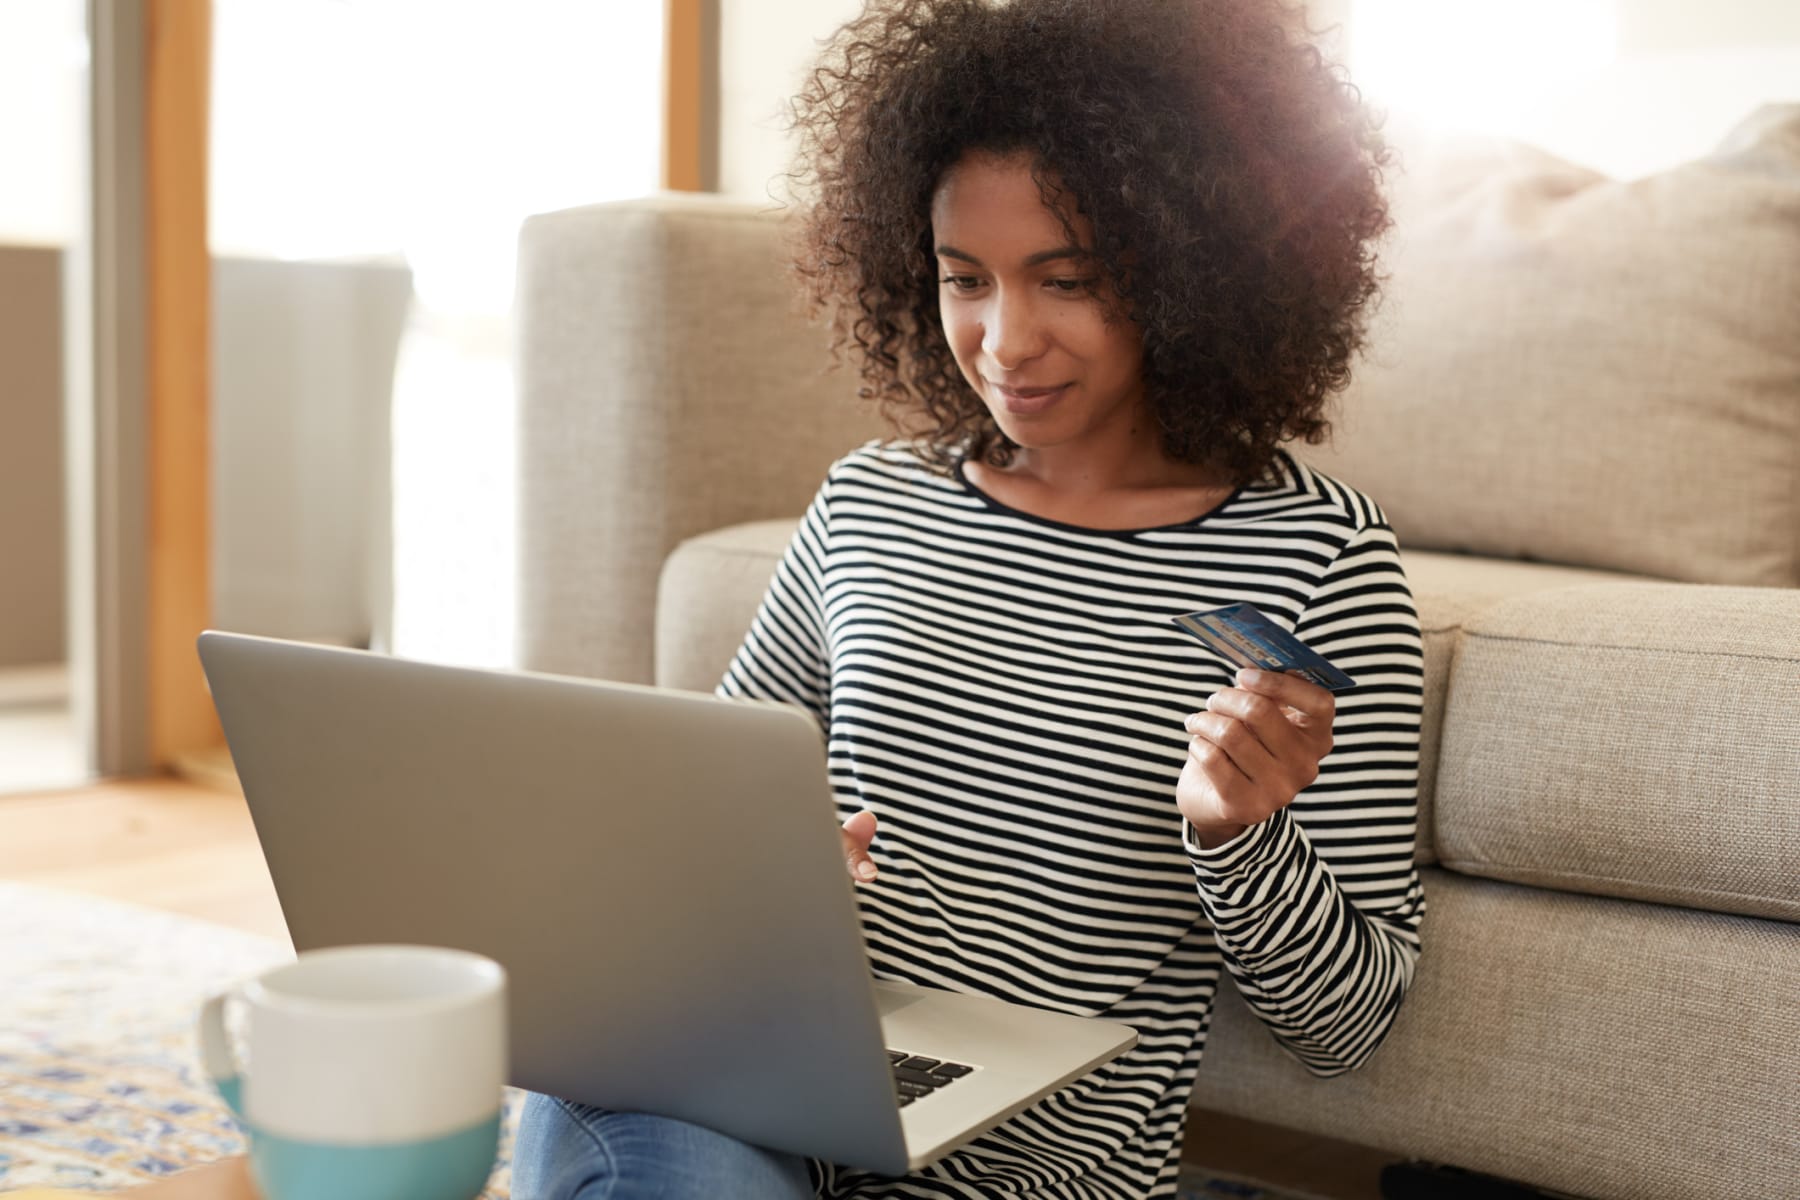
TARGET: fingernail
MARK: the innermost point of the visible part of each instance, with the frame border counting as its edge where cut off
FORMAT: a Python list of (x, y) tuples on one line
[(865, 869), (1250, 678)]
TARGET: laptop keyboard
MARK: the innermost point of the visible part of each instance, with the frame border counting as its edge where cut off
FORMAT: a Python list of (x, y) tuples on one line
[(916, 1076)]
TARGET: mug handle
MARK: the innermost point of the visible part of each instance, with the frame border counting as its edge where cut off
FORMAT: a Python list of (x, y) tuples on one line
[(216, 1056)]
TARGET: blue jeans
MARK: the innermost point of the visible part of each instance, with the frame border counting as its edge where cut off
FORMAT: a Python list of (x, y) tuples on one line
[(570, 1151)]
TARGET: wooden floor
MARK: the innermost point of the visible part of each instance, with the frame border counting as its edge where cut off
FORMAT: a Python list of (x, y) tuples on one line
[(162, 843), (170, 844)]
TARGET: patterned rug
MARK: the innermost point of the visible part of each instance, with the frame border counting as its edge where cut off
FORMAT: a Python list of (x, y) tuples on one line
[(100, 1079)]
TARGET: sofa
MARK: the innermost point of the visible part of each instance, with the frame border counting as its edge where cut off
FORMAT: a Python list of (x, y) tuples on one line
[(1581, 411)]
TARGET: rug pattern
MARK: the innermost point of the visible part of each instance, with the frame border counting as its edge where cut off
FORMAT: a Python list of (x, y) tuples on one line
[(101, 1086)]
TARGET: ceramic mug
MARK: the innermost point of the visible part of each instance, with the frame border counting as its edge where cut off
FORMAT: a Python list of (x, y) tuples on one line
[(375, 1073)]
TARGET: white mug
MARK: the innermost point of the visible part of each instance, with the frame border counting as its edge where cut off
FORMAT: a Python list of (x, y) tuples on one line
[(375, 1073)]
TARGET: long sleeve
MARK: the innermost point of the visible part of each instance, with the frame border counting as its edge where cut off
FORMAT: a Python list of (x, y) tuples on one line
[(1317, 909), (784, 655)]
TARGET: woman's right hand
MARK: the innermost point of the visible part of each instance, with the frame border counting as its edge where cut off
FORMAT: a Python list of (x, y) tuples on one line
[(859, 831)]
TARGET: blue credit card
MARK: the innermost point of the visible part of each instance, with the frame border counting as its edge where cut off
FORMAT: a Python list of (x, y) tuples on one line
[(1244, 636)]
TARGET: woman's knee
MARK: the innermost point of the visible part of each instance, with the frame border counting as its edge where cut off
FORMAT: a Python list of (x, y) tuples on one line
[(555, 1155), (575, 1152)]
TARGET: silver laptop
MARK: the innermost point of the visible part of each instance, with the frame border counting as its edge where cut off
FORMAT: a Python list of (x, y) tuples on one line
[(659, 872)]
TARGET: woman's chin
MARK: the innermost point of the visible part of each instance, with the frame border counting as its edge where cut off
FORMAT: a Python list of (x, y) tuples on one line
[(1025, 437), (1030, 432)]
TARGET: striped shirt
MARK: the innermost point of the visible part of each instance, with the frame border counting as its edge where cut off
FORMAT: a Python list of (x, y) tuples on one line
[(1007, 693)]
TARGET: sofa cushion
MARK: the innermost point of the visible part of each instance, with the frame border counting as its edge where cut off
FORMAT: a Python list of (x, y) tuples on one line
[(1447, 590), (710, 588), (1578, 369), (712, 584), (1629, 739), (1596, 1047)]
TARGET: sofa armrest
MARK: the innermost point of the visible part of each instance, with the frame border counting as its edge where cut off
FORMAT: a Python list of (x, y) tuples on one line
[(667, 385)]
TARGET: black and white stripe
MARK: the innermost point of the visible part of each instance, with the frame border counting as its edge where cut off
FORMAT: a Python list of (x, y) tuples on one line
[(1007, 694)]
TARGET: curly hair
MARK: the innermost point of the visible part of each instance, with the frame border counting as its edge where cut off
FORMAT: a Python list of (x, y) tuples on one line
[(1230, 175)]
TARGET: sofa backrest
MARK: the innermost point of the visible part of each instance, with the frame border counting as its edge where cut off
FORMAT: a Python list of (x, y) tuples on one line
[(1589, 371), (667, 386)]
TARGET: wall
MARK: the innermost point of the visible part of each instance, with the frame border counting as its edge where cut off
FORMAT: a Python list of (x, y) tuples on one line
[(41, 49), (1663, 82), (32, 623)]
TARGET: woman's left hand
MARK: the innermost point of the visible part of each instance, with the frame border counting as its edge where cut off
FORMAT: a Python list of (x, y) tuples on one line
[(1255, 748)]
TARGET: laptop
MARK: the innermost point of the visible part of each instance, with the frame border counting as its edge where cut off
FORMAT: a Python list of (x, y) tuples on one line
[(662, 876)]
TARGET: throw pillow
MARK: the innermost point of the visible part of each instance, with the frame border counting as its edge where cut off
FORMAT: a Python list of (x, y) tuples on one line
[(1585, 370)]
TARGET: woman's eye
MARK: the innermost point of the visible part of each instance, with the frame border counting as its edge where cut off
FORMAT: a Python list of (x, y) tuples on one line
[(1071, 286), (961, 283)]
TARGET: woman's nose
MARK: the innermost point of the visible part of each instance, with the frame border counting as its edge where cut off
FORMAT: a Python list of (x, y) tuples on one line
[(1012, 334)]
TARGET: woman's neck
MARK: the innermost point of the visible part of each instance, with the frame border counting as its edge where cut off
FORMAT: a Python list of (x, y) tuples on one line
[(1090, 471), (1129, 496)]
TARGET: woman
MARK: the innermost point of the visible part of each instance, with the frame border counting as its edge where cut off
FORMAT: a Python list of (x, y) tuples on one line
[(1098, 259)]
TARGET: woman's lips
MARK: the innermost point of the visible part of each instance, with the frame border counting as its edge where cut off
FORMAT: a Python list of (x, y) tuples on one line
[(1027, 401)]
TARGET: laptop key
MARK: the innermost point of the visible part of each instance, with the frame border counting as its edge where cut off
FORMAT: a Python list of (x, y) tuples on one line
[(917, 1075)]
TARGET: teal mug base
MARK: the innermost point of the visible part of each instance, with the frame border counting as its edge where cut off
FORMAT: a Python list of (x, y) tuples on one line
[(453, 1167)]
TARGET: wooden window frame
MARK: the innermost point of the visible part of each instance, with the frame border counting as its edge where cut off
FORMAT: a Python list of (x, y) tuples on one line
[(138, 322)]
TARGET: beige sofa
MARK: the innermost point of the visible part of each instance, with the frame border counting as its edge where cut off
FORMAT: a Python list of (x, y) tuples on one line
[(1582, 413)]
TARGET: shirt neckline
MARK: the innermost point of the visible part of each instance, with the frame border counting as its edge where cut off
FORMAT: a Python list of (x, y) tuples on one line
[(1173, 527)]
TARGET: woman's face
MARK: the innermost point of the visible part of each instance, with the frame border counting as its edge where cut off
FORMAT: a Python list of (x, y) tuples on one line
[(1029, 315)]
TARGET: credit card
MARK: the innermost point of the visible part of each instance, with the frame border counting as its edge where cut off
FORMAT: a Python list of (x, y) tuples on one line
[(1243, 635)]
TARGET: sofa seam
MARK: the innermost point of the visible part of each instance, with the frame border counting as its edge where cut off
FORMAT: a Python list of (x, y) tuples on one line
[(1459, 864), (1542, 641)]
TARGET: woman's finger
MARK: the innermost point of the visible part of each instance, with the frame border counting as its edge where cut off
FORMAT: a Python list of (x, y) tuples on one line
[(1314, 707), (1231, 789), (1282, 711), (858, 832), (1239, 742)]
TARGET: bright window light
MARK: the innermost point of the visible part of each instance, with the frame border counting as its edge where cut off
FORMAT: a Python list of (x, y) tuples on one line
[(1488, 68), (431, 129), (426, 127)]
